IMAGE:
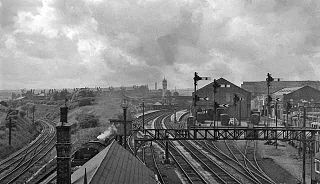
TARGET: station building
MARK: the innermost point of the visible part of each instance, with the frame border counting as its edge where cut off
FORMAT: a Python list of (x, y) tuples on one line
[(305, 94), (225, 95), (258, 88)]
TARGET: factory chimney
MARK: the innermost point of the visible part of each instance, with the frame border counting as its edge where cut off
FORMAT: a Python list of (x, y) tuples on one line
[(155, 86), (63, 147)]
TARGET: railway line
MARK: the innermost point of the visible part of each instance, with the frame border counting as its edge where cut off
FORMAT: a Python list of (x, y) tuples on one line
[(250, 153), (17, 168), (217, 173), (236, 167), (250, 167), (245, 165), (186, 167)]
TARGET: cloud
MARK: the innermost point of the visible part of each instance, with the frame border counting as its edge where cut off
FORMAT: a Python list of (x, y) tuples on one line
[(61, 43)]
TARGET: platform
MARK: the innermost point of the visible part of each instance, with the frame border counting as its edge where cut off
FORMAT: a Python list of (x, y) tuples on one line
[(114, 164)]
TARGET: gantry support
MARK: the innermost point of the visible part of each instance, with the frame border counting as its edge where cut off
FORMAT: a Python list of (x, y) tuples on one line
[(230, 133)]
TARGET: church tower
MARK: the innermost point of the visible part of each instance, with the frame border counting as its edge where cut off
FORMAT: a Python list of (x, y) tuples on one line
[(164, 89), (164, 84)]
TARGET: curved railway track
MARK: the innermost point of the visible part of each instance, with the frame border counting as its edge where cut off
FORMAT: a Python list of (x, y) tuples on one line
[(186, 167), (238, 169), (218, 173), (141, 155), (16, 168), (250, 154), (242, 158), (245, 165)]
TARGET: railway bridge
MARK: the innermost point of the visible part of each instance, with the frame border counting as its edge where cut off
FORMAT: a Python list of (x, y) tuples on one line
[(306, 135), (230, 133)]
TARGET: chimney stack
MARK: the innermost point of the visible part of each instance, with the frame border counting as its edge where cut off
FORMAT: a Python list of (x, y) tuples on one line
[(155, 86), (63, 147)]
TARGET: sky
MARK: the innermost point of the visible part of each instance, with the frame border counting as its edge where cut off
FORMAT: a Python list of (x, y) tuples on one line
[(78, 43)]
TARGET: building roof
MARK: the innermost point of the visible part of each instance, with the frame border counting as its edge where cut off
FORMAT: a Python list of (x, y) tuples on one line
[(20, 98), (114, 164), (305, 90), (41, 95), (225, 82), (285, 91), (157, 103)]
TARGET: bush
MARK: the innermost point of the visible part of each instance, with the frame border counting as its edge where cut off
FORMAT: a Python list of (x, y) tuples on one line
[(51, 103), (87, 120), (85, 101), (22, 114)]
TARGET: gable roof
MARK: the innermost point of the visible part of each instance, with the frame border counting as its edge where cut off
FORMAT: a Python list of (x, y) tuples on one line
[(285, 91), (114, 164), (304, 88), (157, 103), (223, 81)]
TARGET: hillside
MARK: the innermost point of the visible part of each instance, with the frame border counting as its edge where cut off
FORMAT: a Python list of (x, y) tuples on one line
[(22, 133), (106, 106)]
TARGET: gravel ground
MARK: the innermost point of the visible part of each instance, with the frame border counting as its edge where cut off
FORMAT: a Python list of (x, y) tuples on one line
[(286, 160)]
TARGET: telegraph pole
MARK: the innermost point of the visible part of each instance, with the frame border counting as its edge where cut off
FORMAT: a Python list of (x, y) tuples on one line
[(196, 78), (288, 109), (125, 127), (240, 111), (276, 114), (304, 147), (216, 85), (10, 127), (142, 115), (124, 106), (269, 79), (236, 99)]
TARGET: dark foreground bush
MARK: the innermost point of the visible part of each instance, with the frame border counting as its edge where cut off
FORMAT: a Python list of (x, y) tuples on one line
[(85, 101), (22, 113), (87, 120)]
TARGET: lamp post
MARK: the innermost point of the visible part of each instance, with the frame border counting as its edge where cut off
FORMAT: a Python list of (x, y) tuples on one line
[(124, 106)]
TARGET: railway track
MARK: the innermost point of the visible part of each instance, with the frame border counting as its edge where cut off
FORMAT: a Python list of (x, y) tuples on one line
[(141, 155), (250, 153), (245, 165), (151, 162), (16, 168), (237, 154), (190, 172), (207, 163), (130, 141), (239, 170), (220, 174), (217, 173)]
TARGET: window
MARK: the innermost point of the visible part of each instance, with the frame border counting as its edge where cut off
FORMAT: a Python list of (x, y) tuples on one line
[(317, 146), (228, 85), (317, 166), (222, 85)]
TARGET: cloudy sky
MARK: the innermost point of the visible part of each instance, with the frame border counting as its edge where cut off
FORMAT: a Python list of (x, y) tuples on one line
[(76, 43)]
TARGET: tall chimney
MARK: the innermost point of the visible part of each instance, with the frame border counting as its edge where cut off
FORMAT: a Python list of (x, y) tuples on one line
[(155, 86), (63, 147)]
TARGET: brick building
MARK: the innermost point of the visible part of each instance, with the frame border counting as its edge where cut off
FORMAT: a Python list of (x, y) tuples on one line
[(225, 95), (258, 88)]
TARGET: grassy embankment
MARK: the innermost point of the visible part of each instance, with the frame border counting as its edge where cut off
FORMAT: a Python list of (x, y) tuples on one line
[(105, 107), (23, 132)]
